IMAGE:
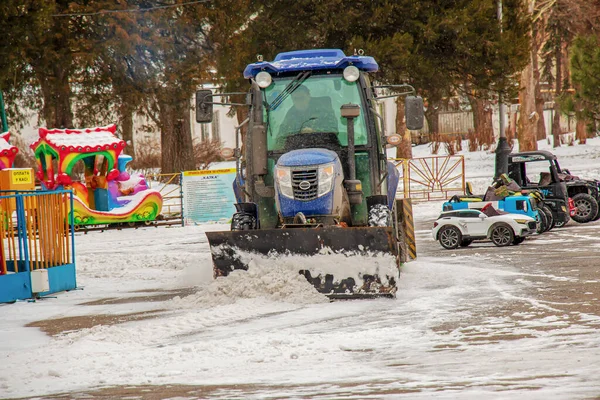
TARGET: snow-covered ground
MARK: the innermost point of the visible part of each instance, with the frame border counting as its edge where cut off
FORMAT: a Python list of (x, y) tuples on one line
[(271, 330)]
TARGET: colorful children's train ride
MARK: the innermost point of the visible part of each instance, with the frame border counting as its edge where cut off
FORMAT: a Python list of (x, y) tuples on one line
[(90, 162)]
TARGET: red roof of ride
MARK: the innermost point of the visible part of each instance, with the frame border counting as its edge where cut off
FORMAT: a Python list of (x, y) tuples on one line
[(7, 149), (81, 140)]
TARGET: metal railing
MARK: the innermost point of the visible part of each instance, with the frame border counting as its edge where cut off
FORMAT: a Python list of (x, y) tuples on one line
[(169, 186), (430, 178), (36, 230)]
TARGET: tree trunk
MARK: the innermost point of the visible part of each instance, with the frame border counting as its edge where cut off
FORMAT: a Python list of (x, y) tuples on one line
[(56, 94), (512, 123), (539, 99), (528, 118), (53, 69), (581, 130), (177, 153), (566, 67), (404, 149), (482, 118), (126, 116), (556, 120), (539, 108), (433, 122)]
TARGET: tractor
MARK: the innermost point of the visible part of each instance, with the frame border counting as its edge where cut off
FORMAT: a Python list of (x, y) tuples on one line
[(313, 177)]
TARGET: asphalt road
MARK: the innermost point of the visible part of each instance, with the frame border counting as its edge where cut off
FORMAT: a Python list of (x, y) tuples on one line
[(561, 267)]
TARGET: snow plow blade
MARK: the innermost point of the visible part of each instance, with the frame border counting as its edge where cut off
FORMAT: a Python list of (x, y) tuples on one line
[(340, 262)]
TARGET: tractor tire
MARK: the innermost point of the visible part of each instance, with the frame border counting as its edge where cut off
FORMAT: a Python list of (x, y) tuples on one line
[(586, 208), (380, 215), (450, 237), (502, 235), (243, 222), (550, 217), (465, 242), (597, 217)]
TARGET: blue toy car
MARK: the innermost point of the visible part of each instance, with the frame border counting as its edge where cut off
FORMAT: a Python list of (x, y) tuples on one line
[(518, 204)]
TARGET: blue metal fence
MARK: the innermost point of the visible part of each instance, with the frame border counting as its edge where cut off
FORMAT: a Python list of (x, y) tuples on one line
[(37, 256)]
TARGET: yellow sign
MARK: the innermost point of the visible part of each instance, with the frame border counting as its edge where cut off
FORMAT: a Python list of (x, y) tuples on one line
[(209, 172), (20, 177)]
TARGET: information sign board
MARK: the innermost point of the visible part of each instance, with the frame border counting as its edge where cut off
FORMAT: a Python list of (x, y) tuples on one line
[(208, 196)]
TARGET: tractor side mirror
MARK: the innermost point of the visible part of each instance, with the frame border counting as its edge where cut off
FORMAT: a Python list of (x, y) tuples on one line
[(413, 110), (204, 106)]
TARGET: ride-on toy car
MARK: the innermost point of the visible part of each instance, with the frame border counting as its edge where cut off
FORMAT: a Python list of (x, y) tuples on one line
[(461, 227)]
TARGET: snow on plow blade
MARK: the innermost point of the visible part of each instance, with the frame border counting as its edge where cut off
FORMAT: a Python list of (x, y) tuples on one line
[(340, 262)]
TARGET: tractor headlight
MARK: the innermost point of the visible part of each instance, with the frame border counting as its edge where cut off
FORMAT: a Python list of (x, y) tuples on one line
[(283, 176), (326, 178), (263, 79), (351, 73)]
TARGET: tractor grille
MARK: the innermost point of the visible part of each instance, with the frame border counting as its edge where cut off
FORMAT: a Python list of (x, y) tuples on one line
[(531, 224), (306, 192)]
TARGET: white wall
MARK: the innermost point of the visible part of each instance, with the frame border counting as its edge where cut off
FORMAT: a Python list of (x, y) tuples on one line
[(222, 127)]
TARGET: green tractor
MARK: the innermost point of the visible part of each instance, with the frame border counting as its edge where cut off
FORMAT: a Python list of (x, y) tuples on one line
[(314, 180)]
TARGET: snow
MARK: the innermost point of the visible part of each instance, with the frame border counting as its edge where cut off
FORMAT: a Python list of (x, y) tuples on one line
[(5, 146), (349, 264), (90, 137), (270, 329)]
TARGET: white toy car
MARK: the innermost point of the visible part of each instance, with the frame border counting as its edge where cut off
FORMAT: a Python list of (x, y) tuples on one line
[(461, 227)]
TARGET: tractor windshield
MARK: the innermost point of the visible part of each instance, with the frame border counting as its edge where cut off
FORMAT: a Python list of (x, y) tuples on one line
[(313, 107)]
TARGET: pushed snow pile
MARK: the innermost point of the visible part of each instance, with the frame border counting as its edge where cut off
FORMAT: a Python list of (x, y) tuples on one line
[(342, 265), (266, 278), (277, 278)]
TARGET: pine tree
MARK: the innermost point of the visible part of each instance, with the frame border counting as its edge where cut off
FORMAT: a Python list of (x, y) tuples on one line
[(585, 68), (39, 52)]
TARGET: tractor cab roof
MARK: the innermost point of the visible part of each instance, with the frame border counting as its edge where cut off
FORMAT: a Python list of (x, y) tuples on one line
[(311, 60), (530, 156)]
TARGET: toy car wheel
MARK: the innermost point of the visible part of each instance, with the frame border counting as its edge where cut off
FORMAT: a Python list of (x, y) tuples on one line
[(502, 235), (518, 240), (586, 208), (466, 242), (542, 221), (450, 237), (550, 217)]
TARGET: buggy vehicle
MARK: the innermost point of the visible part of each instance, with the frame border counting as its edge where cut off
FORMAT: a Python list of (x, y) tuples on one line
[(539, 170), (585, 195)]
